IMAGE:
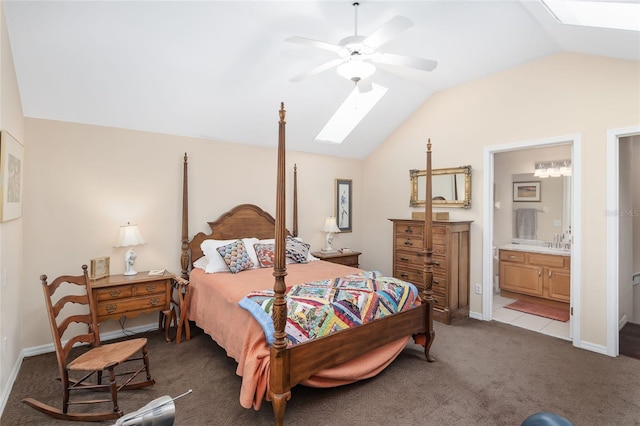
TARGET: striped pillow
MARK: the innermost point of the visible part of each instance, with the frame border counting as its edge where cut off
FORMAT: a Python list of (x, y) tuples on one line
[(297, 250)]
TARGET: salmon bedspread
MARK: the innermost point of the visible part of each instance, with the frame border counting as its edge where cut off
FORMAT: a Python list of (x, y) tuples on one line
[(214, 308)]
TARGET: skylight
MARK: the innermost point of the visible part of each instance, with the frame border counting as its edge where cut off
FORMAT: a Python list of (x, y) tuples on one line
[(350, 113), (618, 15)]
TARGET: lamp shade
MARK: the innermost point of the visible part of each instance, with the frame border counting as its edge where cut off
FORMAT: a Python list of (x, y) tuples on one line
[(330, 225), (129, 236)]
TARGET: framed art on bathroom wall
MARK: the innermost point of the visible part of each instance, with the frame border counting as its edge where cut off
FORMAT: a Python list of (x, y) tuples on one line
[(526, 191)]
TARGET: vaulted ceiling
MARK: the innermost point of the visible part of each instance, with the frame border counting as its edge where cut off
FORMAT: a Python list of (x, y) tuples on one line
[(219, 69)]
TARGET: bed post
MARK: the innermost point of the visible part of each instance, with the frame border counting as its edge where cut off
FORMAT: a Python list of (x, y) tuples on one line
[(295, 200), (280, 387), (184, 256), (427, 295)]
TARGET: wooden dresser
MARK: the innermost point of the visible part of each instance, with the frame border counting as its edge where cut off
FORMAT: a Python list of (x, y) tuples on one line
[(450, 263), (116, 296)]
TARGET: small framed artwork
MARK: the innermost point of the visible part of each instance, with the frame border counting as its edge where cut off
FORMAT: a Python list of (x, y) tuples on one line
[(99, 268), (11, 172), (344, 211), (526, 191)]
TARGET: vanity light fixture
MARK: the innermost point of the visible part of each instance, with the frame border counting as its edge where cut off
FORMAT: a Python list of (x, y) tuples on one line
[(553, 168)]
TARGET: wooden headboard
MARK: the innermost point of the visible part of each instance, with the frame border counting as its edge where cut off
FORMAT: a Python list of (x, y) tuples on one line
[(242, 221)]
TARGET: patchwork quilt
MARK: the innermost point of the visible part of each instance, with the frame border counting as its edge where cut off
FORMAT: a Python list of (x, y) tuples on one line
[(319, 308)]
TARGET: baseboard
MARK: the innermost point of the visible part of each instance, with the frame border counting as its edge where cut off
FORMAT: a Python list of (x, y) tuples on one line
[(12, 378), (622, 322), (475, 315), (600, 349), (43, 349)]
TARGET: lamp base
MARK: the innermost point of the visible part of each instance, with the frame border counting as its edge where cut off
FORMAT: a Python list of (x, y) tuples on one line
[(129, 262)]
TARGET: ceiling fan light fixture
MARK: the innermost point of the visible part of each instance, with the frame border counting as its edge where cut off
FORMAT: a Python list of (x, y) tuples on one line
[(356, 70)]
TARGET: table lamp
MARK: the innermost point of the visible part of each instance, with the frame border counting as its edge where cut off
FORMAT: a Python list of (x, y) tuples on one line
[(129, 236), (330, 227)]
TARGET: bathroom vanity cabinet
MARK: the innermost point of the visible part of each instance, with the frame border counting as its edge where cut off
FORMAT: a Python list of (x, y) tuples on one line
[(546, 276)]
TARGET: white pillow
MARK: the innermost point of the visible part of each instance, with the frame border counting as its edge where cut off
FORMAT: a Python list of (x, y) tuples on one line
[(251, 251), (216, 262), (201, 263)]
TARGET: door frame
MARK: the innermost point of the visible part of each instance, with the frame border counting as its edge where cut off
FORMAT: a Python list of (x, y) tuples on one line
[(613, 235), (575, 140)]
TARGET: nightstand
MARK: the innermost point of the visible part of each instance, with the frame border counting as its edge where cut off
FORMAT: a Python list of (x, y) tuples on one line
[(349, 259), (116, 296)]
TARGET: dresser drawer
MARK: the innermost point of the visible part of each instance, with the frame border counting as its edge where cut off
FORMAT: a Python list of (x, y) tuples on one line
[(412, 275), (114, 293), (409, 229), (121, 307), (409, 242), (410, 259), (550, 260), (149, 288)]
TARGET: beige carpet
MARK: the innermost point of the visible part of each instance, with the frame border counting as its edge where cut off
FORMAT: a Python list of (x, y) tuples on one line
[(486, 374)]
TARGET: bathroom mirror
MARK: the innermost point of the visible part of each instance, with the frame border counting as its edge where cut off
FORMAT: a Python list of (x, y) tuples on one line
[(450, 187), (553, 211)]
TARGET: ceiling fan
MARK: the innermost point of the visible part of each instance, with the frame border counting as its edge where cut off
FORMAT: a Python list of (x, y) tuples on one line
[(357, 54)]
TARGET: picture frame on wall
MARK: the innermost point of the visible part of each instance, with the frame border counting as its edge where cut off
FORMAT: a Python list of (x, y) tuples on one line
[(11, 173), (99, 267), (526, 191), (344, 210)]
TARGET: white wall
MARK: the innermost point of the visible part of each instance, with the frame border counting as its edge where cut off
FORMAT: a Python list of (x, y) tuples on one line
[(85, 181), (554, 96), (11, 232)]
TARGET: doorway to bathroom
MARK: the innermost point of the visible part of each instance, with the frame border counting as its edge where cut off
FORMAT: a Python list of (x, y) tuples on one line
[(552, 232)]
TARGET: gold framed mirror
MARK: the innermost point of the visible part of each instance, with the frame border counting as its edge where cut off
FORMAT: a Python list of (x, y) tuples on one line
[(450, 187)]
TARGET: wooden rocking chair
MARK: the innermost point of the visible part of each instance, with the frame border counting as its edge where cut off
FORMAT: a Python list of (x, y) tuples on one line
[(97, 360)]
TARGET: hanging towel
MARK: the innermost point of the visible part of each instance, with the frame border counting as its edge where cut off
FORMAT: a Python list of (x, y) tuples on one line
[(526, 223)]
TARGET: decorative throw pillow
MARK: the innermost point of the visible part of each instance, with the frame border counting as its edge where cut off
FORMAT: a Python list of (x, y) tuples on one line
[(297, 250), (236, 257), (265, 254)]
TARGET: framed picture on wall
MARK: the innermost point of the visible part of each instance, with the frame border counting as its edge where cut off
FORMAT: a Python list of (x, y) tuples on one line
[(526, 191), (11, 173), (344, 211)]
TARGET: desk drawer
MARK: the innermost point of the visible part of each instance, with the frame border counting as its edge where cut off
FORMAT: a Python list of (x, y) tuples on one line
[(149, 288), (121, 307), (114, 293)]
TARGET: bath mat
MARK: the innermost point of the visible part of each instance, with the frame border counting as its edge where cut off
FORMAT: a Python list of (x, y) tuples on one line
[(554, 313)]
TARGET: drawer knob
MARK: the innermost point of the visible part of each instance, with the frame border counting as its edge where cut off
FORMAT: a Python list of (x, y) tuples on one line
[(408, 230), (408, 243), (114, 293), (404, 259), (404, 276), (154, 301), (511, 256), (150, 288), (436, 282), (435, 263), (111, 308)]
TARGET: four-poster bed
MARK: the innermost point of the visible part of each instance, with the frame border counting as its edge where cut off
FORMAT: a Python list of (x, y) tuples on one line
[(272, 370)]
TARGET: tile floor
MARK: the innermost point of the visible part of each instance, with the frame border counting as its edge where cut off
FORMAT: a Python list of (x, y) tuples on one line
[(532, 322)]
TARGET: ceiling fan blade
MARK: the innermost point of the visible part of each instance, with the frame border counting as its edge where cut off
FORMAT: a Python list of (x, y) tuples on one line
[(405, 61), (317, 70), (314, 43), (391, 29)]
